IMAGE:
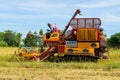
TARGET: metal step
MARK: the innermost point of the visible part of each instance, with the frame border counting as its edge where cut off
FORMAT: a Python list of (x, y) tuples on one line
[(47, 53)]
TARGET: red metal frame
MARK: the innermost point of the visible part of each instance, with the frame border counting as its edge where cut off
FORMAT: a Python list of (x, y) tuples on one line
[(61, 48), (93, 20)]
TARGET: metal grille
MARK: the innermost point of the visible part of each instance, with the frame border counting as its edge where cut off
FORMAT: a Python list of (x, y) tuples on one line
[(92, 34), (82, 34), (87, 34)]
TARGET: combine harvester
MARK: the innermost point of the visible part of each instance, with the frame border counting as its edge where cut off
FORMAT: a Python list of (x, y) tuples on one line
[(85, 39)]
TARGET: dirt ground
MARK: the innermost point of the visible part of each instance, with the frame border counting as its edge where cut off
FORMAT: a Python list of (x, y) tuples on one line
[(12, 73)]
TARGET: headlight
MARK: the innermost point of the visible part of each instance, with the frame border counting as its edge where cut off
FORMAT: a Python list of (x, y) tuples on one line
[(70, 51), (85, 50), (93, 44)]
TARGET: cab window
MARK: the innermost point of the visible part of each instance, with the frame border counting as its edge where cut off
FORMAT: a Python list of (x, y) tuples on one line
[(89, 23), (81, 23), (96, 23), (54, 35), (74, 23)]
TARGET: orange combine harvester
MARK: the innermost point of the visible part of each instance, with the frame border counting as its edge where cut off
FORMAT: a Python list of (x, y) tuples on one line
[(85, 39)]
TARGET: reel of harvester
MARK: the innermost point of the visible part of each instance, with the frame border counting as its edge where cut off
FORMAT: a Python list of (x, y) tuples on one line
[(27, 53)]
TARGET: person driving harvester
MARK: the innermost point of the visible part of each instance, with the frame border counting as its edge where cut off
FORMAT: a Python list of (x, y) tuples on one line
[(52, 29)]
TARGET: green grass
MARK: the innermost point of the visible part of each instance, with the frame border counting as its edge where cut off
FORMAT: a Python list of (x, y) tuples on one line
[(7, 60), (12, 69)]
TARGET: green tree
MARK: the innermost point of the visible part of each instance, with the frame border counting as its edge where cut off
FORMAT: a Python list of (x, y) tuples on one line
[(41, 32), (2, 36), (2, 42), (18, 39), (40, 42), (12, 38), (27, 40), (30, 40), (114, 40), (34, 39)]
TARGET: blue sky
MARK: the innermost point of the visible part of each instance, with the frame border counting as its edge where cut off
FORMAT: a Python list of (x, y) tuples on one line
[(24, 15)]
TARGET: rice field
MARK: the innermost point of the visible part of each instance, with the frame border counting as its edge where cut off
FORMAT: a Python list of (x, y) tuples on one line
[(35, 70)]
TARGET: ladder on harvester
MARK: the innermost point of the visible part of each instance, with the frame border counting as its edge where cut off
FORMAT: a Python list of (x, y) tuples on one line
[(47, 53)]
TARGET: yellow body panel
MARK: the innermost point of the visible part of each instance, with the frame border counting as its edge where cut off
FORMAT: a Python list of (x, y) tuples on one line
[(53, 37), (88, 44), (79, 50), (31, 55)]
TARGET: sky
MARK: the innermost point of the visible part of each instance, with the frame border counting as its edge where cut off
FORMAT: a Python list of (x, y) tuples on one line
[(25, 15)]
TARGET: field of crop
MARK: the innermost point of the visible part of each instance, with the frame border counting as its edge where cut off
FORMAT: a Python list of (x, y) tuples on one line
[(35, 70)]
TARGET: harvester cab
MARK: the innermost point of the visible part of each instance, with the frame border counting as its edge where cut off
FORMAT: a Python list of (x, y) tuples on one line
[(52, 35)]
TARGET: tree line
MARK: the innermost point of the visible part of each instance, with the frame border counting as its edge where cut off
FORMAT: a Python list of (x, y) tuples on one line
[(13, 39), (114, 41)]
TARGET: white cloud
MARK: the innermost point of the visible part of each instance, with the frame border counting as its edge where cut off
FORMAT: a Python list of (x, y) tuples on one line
[(39, 4), (107, 17), (98, 4), (32, 5), (50, 9), (17, 16), (42, 6), (35, 9), (32, 16)]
